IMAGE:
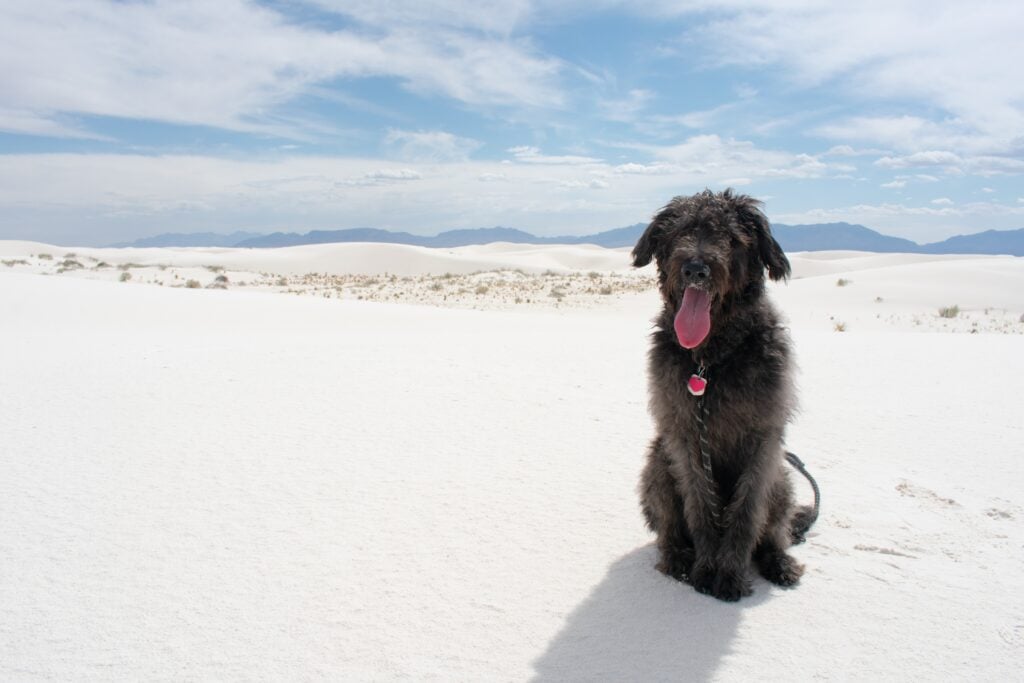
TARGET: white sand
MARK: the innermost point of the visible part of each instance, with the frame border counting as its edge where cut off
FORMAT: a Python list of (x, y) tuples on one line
[(240, 485)]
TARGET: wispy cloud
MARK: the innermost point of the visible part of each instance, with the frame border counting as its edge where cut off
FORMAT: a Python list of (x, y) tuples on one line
[(173, 61), (433, 145), (626, 108), (532, 155), (952, 56), (711, 155), (921, 223)]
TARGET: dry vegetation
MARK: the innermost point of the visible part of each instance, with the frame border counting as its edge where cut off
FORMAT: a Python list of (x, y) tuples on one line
[(501, 289), (492, 289)]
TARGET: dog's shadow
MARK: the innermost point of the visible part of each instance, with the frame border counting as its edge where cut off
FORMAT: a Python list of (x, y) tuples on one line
[(642, 626)]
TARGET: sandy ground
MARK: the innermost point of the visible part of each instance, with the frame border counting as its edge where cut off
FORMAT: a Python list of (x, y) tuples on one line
[(239, 485), (912, 292)]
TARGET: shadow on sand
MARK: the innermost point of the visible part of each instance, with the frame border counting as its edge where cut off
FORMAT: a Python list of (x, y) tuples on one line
[(638, 625)]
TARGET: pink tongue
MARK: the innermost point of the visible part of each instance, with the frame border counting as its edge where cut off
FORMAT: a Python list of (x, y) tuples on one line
[(693, 321)]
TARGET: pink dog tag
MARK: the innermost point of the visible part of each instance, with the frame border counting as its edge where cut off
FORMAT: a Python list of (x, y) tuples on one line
[(696, 385)]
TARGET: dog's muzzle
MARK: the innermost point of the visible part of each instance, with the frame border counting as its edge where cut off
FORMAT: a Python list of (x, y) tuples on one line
[(696, 273)]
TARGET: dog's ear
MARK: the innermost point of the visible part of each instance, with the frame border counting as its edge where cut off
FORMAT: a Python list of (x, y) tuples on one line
[(772, 255), (648, 243), (768, 249)]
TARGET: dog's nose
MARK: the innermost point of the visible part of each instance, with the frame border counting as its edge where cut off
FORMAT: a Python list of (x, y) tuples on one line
[(696, 271)]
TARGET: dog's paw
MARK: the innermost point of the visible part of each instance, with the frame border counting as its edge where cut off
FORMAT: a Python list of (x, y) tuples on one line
[(782, 570), (677, 564), (702, 577), (730, 586)]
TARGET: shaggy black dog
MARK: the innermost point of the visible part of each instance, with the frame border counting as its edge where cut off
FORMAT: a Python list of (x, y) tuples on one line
[(715, 488)]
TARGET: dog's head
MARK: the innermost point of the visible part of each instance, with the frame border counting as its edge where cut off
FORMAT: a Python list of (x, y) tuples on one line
[(712, 251)]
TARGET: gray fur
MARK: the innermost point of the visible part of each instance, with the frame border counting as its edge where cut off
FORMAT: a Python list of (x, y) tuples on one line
[(749, 400)]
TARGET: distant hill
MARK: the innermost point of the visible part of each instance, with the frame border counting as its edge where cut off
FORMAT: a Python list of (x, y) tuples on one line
[(988, 242), (292, 239), (828, 236), (815, 237), (192, 239), (619, 237)]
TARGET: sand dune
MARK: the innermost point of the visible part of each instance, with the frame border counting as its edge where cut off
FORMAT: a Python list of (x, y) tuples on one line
[(240, 484), (845, 291), (353, 258)]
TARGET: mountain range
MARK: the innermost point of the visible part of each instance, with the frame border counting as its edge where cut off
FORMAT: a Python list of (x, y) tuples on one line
[(815, 237)]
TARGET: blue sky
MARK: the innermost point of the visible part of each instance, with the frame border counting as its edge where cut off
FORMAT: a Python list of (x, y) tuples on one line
[(126, 119)]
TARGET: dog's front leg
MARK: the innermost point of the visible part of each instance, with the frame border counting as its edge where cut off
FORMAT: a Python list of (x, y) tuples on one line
[(701, 511), (742, 520)]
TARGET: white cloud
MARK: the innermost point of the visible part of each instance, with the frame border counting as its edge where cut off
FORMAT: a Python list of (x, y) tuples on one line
[(31, 123), (176, 61), (119, 196), (489, 16), (929, 158), (432, 145), (953, 164), (920, 223), (533, 155), (646, 169), (841, 151), (628, 108), (394, 174), (953, 56), (711, 156), (694, 119), (595, 184), (895, 184), (897, 132), (943, 201)]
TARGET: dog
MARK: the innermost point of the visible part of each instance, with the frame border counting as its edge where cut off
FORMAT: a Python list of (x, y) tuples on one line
[(714, 487)]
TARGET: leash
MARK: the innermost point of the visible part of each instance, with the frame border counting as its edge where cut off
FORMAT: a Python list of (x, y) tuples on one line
[(696, 386), (798, 464)]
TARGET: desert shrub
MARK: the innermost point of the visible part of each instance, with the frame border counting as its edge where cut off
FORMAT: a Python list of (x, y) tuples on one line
[(282, 282), (839, 327), (593, 275), (215, 269), (606, 290), (16, 262), (126, 276), (45, 257), (842, 282), (193, 284), (949, 311), (482, 289), (70, 264)]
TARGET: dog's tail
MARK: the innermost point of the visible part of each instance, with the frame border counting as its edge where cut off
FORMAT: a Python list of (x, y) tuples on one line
[(805, 515)]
